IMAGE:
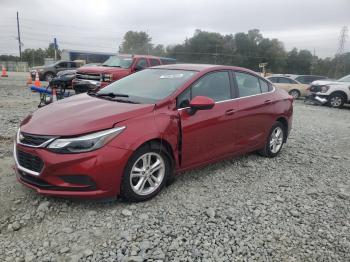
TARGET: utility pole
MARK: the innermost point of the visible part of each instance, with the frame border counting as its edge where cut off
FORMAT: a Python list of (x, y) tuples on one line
[(19, 39), (313, 62), (342, 39)]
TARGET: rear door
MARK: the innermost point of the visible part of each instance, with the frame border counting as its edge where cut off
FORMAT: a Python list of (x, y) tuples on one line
[(208, 134), (256, 110)]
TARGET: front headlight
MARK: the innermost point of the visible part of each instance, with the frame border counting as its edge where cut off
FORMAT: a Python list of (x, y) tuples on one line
[(107, 77), (324, 89), (84, 143)]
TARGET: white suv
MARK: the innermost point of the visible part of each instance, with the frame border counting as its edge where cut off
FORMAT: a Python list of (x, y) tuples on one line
[(333, 93)]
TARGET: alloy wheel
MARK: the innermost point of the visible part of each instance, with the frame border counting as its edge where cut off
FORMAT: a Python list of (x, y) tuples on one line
[(147, 173), (294, 94), (276, 140), (335, 101)]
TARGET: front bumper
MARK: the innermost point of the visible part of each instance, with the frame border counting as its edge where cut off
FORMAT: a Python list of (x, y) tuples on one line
[(95, 174), (318, 97), (83, 86)]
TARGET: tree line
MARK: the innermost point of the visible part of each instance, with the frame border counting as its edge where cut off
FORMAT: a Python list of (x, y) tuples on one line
[(240, 49)]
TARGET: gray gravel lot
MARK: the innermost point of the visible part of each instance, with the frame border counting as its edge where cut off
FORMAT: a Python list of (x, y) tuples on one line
[(295, 207)]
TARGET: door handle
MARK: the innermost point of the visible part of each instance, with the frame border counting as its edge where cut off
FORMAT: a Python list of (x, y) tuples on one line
[(230, 112), (268, 101)]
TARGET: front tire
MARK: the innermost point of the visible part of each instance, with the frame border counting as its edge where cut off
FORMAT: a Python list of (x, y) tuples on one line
[(336, 100), (146, 174), (275, 140)]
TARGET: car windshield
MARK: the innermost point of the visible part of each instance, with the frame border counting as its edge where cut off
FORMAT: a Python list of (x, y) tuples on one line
[(345, 79), (149, 85), (118, 61)]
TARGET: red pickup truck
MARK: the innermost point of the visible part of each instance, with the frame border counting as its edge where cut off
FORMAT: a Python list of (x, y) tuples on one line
[(116, 67)]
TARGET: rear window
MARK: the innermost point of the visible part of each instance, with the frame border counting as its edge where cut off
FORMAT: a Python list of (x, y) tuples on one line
[(154, 62), (166, 61)]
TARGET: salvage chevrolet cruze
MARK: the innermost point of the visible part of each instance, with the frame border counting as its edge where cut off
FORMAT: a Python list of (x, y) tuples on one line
[(132, 137)]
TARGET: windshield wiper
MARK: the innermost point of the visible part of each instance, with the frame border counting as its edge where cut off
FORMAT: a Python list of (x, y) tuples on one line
[(112, 94), (110, 66), (124, 101)]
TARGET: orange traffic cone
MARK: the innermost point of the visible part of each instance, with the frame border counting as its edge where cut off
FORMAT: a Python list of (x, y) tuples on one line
[(37, 81), (29, 80), (4, 73)]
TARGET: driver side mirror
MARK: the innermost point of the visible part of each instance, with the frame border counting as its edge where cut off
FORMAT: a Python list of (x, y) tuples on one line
[(200, 103)]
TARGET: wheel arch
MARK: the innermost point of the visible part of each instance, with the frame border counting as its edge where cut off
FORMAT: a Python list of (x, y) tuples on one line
[(284, 122), (154, 143), (341, 93)]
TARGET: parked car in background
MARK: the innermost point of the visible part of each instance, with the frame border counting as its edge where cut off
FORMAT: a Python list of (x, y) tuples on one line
[(114, 68), (292, 86), (307, 79), (134, 135), (333, 93), (63, 79), (47, 72)]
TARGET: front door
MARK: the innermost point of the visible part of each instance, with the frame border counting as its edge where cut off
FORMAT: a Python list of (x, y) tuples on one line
[(208, 134)]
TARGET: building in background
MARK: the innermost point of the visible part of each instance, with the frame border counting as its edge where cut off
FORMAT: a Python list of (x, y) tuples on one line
[(87, 56)]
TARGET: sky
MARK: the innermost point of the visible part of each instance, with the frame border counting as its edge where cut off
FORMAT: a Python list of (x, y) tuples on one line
[(100, 25)]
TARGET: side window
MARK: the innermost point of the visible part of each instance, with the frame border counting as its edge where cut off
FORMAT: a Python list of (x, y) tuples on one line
[(248, 85), (273, 79), (73, 65), (63, 65), (142, 63), (214, 85), (285, 80), (183, 100), (154, 62), (263, 86), (302, 79)]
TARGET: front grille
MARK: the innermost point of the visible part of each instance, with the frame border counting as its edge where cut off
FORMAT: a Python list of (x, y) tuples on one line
[(33, 140), (87, 76), (29, 161), (315, 89)]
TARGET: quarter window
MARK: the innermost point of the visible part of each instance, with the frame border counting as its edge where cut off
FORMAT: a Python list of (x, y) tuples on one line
[(263, 86), (248, 85)]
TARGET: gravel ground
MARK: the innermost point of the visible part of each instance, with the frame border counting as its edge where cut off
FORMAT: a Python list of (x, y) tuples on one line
[(291, 208)]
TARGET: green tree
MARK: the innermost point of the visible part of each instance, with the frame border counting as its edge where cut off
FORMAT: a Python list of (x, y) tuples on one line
[(136, 43)]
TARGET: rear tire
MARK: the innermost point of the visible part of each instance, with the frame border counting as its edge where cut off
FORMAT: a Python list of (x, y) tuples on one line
[(275, 140), (336, 100), (146, 173), (294, 93)]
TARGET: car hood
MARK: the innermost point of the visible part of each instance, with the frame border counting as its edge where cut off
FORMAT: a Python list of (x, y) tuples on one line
[(327, 82), (101, 69), (80, 114)]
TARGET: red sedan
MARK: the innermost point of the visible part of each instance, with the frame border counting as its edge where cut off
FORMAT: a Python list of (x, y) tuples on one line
[(137, 133)]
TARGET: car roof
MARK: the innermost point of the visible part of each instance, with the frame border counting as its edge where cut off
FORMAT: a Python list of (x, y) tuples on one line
[(144, 56), (202, 67)]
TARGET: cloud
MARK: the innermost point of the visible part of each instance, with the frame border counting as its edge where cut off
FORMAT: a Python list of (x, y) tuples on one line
[(100, 25)]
